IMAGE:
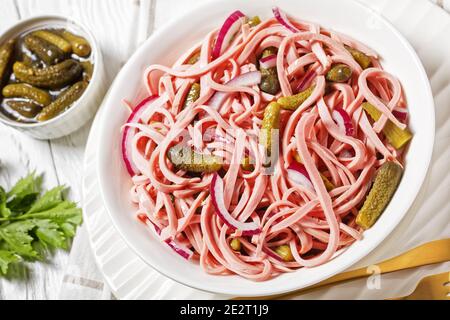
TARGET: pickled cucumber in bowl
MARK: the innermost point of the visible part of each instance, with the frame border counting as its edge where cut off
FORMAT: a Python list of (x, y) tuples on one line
[(43, 72)]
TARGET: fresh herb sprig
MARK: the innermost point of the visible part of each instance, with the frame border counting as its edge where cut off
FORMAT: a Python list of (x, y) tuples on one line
[(30, 220)]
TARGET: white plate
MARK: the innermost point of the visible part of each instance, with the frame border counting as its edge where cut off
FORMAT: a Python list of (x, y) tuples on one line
[(346, 16)]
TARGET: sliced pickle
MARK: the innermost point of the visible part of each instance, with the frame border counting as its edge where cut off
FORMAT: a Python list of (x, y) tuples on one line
[(270, 122), (363, 60), (235, 244), (194, 58), (385, 184), (285, 253), (254, 21), (339, 73), (269, 77), (328, 184), (193, 95), (186, 159), (293, 102), (397, 137), (246, 164)]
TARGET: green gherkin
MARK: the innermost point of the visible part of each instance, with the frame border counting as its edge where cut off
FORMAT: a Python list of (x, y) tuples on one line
[(184, 158), (339, 73), (53, 77), (293, 102), (269, 77), (386, 182), (64, 101)]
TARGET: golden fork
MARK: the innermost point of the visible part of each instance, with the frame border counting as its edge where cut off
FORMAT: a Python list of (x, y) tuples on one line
[(429, 253), (434, 287)]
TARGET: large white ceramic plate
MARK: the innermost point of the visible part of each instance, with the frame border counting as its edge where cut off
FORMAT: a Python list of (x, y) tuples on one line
[(167, 43)]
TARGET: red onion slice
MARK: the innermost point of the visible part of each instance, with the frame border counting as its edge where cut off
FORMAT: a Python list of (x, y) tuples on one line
[(268, 62), (283, 19), (244, 80), (229, 28), (271, 253), (172, 243), (297, 173), (128, 132), (400, 115), (344, 121), (306, 81), (216, 191)]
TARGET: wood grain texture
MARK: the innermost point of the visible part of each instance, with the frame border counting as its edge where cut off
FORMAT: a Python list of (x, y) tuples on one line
[(119, 26)]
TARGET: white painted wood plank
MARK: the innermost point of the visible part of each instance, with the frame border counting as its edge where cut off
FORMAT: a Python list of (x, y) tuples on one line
[(168, 10), (115, 26), (20, 154), (118, 25)]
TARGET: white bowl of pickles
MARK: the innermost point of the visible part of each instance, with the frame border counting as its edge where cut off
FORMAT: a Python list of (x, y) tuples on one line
[(51, 76)]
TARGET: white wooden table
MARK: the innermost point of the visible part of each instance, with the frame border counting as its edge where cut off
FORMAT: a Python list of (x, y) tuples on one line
[(119, 26)]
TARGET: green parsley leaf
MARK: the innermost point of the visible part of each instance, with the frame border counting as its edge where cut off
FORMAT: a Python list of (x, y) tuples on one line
[(65, 212), (29, 184), (17, 237), (50, 234), (6, 258), (30, 223), (24, 193), (49, 200), (4, 210)]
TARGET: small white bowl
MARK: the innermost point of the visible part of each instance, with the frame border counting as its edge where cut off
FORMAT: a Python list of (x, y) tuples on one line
[(349, 17), (86, 106)]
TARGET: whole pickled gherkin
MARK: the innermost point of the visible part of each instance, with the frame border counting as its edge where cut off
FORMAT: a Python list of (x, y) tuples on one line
[(193, 95), (268, 52), (194, 58), (64, 101), (254, 21), (184, 158), (269, 77), (363, 60), (339, 73), (386, 182), (285, 252), (6, 54), (293, 102), (54, 39), (28, 109), (80, 45), (269, 81), (46, 51), (28, 61), (328, 184), (53, 77), (271, 122), (235, 244), (246, 164), (22, 90), (396, 136), (88, 70)]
